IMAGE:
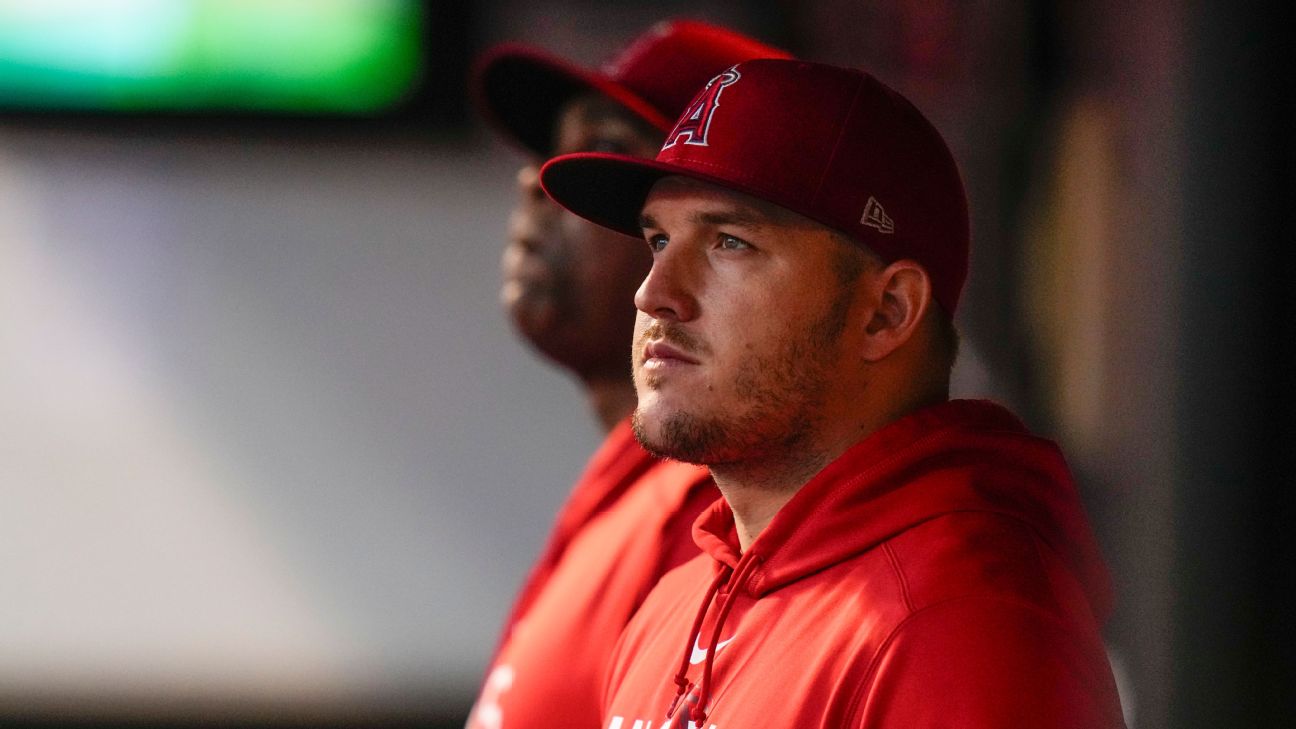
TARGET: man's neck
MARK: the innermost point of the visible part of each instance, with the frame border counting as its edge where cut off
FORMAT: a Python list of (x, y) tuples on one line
[(757, 489)]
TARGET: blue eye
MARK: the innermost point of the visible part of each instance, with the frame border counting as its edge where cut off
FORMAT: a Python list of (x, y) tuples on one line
[(656, 242), (731, 243)]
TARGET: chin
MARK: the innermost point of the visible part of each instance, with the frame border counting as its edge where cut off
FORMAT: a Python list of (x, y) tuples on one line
[(678, 435)]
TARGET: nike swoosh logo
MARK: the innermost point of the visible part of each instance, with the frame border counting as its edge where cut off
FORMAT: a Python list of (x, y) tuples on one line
[(699, 654)]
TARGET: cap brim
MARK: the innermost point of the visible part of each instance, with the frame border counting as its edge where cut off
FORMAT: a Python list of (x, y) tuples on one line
[(521, 90), (610, 189)]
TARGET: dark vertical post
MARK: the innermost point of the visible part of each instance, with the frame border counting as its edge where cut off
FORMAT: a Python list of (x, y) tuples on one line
[(1234, 479)]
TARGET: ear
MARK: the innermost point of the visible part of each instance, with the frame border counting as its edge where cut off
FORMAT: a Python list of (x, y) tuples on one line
[(903, 297)]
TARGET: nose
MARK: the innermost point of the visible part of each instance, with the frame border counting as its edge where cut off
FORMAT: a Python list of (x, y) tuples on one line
[(667, 292), (534, 212), (528, 185)]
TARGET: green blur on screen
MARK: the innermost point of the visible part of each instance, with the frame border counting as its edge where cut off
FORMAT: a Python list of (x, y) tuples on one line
[(290, 56)]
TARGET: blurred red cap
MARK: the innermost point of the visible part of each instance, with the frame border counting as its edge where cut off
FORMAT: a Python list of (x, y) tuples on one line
[(520, 89)]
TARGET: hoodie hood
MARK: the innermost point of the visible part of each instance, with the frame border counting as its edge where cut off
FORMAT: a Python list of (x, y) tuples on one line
[(958, 456)]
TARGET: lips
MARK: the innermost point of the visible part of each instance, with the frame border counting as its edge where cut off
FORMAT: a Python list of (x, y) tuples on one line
[(661, 354)]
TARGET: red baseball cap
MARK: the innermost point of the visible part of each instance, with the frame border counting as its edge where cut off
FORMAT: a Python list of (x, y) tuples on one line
[(520, 89), (832, 144)]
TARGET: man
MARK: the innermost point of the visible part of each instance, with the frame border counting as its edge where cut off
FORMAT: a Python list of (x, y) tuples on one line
[(882, 557), (569, 288)]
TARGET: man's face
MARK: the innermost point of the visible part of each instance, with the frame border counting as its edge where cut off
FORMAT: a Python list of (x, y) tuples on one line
[(569, 284), (745, 326)]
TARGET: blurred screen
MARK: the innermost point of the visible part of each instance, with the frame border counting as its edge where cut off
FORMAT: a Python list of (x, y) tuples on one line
[(195, 56)]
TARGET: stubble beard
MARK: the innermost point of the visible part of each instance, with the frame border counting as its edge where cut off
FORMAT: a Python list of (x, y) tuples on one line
[(779, 398)]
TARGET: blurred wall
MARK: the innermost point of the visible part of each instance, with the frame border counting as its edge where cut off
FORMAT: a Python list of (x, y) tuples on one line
[(265, 436)]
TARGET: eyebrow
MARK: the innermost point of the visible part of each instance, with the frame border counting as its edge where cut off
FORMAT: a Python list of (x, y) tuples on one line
[(745, 217)]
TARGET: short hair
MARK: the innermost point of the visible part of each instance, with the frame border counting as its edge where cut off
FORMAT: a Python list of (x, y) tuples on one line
[(852, 259)]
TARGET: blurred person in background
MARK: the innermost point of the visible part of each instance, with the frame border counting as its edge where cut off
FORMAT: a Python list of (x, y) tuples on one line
[(568, 289)]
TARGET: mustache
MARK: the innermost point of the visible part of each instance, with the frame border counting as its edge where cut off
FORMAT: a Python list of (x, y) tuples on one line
[(674, 335)]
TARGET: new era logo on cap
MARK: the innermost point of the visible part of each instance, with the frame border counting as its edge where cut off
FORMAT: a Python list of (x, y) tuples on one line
[(875, 217), (832, 144)]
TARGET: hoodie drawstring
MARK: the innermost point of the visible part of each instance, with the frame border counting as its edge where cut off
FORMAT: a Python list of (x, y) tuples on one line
[(681, 676), (738, 576)]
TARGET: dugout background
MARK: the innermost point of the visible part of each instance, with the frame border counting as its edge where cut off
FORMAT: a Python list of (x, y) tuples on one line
[(269, 455)]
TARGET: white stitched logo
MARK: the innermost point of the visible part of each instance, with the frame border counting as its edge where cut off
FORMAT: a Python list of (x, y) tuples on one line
[(618, 722), (875, 217), (693, 126), (698, 655), (488, 714)]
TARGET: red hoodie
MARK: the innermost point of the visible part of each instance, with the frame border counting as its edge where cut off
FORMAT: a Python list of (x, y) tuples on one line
[(940, 573)]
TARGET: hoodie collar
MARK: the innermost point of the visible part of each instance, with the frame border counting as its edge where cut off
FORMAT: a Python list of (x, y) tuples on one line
[(961, 455)]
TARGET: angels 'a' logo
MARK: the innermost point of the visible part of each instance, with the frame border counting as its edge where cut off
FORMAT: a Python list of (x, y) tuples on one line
[(696, 122)]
